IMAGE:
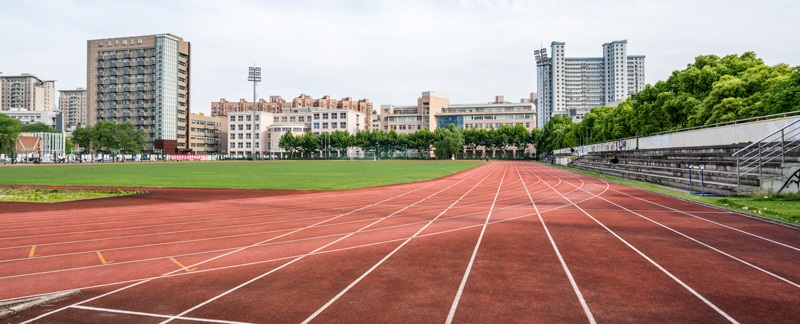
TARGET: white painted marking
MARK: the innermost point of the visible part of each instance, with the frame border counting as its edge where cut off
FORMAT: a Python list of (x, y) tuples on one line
[(119, 311), (714, 222), (564, 266), (463, 284), (303, 256), (376, 265), (220, 256), (654, 263)]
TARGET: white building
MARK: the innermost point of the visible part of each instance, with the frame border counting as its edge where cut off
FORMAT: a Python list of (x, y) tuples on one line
[(574, 85), (50, 118), (259, 134)]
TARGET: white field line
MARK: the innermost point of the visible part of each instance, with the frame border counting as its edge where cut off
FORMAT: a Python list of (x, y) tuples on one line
[(119, 311), (460, 291), (376, 265), (303, 256), (713, 222), (654, 263), (223, 255), (572, 281), (176, 274)]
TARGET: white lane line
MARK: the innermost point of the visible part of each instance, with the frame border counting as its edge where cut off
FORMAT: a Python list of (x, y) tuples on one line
[(119, 311), (117, 264), (312, 252), (654, 263), (706, 245), (463, 284), (226, 254), (379, 263), (572, 281), (714, 222), (321, 252)]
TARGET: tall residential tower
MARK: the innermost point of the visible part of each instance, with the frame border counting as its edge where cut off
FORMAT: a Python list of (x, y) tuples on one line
[(27, 92), (574, 85), (143, 80)]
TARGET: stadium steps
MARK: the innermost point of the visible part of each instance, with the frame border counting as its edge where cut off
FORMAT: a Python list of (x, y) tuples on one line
[(671, 167)]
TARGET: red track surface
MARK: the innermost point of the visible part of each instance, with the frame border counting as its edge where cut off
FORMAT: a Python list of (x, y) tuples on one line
[(511, 242)]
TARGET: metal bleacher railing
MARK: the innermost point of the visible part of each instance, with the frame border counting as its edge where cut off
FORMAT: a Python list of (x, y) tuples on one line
[(752, 158)]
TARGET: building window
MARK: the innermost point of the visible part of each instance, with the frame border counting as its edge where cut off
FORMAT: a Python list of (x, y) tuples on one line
[(325, 116), (316, 116), (343, 125), (316, 125), (343, 115), (333, 115), (324, 125), (233, 136), (247, 127), (241, 118)]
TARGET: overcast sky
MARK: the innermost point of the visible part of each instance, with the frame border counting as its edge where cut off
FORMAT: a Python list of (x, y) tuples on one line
[(390, 51)]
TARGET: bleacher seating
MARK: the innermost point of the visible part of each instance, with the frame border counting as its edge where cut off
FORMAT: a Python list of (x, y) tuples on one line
[(671, 167)]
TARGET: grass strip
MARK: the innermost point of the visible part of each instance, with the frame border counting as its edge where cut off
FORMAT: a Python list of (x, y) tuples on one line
[(39, 195)]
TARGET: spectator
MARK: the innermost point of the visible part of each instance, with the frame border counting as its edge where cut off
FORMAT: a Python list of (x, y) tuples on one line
[(614, 159)]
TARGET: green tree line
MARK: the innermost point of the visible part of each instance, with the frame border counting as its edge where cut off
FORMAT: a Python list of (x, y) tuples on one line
[(711, 90), (108, 137), (445, 142)]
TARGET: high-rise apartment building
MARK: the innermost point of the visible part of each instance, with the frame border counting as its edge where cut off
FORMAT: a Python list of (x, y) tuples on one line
[(574, 85), (72, 104), (27, 92), (144, 80)]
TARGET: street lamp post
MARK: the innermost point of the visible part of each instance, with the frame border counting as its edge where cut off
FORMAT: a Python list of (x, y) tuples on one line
[(254, 75)]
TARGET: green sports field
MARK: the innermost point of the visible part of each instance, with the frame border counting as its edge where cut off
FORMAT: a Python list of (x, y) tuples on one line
[(289, 175)]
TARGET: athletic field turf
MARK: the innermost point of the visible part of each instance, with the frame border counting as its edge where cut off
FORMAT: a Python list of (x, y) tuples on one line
[(284, 175)]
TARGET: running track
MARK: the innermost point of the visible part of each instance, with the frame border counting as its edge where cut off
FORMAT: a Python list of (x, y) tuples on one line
[(511, 242)]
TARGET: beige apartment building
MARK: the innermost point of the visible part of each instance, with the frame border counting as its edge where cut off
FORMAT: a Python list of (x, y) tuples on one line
[(72, 104), (144, 80), (434, 110), (259, 133), (208, 134), (28, 92), (276, 104)]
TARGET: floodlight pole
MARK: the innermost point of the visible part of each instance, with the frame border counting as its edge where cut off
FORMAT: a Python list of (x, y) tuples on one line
[(254, 75)]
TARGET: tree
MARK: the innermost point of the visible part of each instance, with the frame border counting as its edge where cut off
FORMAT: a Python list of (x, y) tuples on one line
[(128, 139), (9, 133), (448, 141), (287, 142), (83, 136), (308, 142), (340, 141), (38, 127)]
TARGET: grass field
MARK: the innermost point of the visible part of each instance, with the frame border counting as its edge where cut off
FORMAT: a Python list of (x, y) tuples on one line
[(289, 175)]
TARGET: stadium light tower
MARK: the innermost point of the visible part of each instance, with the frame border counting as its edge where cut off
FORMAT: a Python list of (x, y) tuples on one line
[(254, 75)]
